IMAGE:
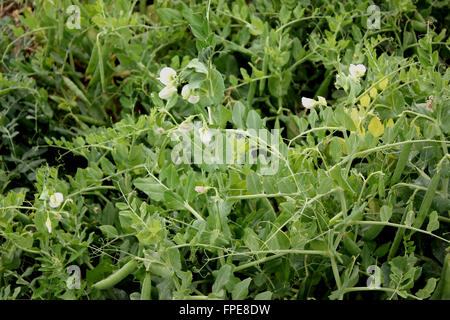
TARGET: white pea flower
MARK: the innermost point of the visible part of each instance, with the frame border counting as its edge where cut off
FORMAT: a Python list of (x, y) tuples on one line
[(308, 103), (194, 99), (357, 71), (167, 92), (56, 200), (48, 224), (201, 189), (167, 76), (205, 136), (188, 94), (322, 101)]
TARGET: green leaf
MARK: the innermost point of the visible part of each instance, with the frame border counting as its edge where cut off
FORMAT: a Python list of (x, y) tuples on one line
[(285, 14), (256, 26), (254, 120), (223, 276), (109, 231), (396, 100), (382, 250), (433, 222), (254, 185), (251, 240), (170, 175), (385, 213), (221, 115), (197, 66), (238, 115), (152, 233), (151, 187), (173, 200), (275, 87), (169, 16), (189, 187), (174, 258), (270, 184), (198, 24), (344, 119), (336, 147), (93, 61), (240, 290), (216, 87), (266, 295), (325, 185), (23, 241)]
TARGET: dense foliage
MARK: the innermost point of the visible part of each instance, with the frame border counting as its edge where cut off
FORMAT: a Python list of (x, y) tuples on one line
[(91, 120)]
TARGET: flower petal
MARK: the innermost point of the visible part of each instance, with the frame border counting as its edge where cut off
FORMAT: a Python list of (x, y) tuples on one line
[(308, 103), (167, 76), (185, 92), (48, 224), (361, 69), (59, 197), (167, 92), (357, 71), (56, 199), (201, 189), (205, 136), (194, 99)]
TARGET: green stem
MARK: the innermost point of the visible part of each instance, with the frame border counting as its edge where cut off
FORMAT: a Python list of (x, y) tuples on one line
[(444, 219), (263, 195), (192, 210), (398, 226), (335, 271), (279, 254), (343, 202)]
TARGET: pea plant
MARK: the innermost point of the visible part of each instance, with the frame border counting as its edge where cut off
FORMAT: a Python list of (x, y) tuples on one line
[(197, 150)]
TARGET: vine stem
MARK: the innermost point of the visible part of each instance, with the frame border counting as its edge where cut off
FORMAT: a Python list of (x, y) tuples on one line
[(263, 195), (382, 147), (308, 202), (335, 271), (313, 130), (389, 224), (91, 189), (278, 255), (192, 210)]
